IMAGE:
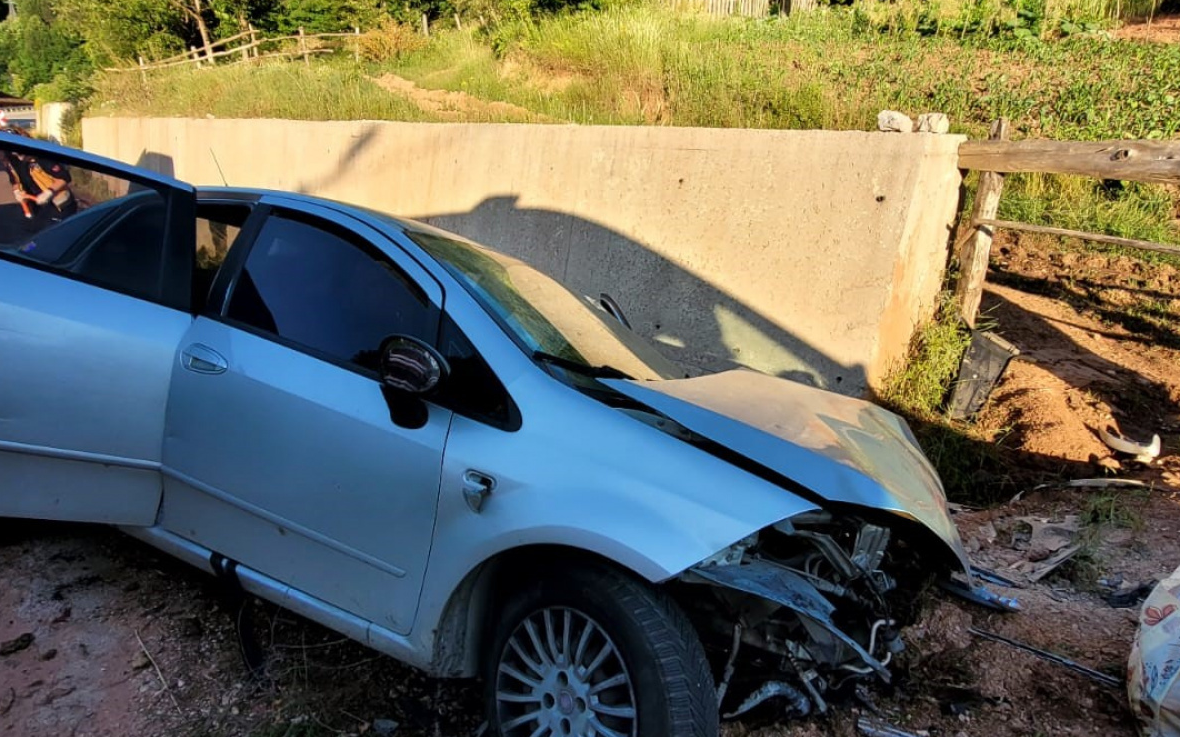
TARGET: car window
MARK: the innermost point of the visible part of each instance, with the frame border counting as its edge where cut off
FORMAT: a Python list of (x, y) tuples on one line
[(326, 292), (473, 389), (101, 228), (218, 226)]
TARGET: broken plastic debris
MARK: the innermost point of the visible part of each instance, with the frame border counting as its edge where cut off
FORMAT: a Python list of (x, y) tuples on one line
[(1142, 451), (981, 595), (799, 705), (874, 727)]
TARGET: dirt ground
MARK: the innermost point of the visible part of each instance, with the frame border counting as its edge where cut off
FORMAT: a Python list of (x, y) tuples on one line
[(1162, 29), (125, 641)]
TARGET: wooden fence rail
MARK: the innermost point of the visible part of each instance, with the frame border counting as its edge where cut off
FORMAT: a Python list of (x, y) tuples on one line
[(1139, 161), (247, 51)]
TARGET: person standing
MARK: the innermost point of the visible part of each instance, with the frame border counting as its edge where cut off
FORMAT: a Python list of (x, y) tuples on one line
[(40, 186)]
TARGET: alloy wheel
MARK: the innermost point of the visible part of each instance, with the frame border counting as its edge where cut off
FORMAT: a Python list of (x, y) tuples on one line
[(561, 674)]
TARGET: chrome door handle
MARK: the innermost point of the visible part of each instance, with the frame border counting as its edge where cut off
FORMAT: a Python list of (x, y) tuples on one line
[(476, 488), (203, 359)]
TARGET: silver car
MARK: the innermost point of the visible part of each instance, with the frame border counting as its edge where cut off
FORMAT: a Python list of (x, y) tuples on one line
[(440, 452)]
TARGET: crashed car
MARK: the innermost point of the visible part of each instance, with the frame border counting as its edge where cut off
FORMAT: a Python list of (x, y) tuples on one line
[(443, 454)]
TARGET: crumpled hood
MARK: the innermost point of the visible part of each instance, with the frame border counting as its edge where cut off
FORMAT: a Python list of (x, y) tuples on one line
[(843, 449)]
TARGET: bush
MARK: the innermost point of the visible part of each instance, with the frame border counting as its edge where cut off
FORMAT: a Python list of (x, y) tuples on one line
[(390, 41)]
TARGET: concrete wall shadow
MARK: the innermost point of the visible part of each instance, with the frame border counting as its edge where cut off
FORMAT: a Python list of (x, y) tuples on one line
[(693, 322)]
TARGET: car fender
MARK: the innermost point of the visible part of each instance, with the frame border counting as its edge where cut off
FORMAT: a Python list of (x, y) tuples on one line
[(612, 486)]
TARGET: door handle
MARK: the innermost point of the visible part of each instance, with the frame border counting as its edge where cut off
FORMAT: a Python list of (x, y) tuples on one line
[(476, 488), (203, 359)]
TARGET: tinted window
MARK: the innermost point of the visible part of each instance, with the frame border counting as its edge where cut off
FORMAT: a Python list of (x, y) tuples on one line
[(473, 389), (315, 288), (101, 228), (218, 225)]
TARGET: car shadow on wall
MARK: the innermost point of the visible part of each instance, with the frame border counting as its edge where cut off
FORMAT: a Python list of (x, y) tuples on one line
[(693, 322)]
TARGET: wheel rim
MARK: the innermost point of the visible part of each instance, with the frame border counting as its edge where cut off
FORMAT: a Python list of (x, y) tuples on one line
[(560, 674)]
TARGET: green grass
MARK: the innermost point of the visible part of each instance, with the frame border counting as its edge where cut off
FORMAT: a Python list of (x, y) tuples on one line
[(276, 90), (968, 463)]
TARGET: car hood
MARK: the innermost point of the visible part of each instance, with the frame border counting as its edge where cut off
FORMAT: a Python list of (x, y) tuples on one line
[(840, 448)]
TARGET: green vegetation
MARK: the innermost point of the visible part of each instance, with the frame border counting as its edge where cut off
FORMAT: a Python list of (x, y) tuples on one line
[(918, 391), (274, 90)]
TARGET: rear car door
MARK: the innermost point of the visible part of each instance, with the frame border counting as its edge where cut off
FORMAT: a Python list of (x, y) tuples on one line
[(95, 283), (281, 452)]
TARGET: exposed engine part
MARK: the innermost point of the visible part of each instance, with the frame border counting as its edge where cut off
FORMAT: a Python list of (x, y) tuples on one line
[(728, 672), (798, 707), (810, 680), (732, 555), (816, 592), (869, 550)]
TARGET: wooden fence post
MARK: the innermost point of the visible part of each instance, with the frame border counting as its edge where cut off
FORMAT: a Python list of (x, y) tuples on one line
[(458, 23), (196, 55), (142, 71), (425, 26), (253, 41), (356, 44), (977, 249), (303, 47)]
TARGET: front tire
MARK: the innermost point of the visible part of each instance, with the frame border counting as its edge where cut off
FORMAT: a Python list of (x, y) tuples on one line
[(592, 651)]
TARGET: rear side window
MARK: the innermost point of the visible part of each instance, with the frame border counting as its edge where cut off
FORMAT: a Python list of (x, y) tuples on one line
[(100, 228), (326, 292)]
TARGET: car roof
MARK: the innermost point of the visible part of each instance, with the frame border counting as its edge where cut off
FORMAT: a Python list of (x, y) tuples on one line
[(374, 218)]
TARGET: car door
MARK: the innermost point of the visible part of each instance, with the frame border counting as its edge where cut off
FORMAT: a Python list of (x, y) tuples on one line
[(282, 453), (94, 295)]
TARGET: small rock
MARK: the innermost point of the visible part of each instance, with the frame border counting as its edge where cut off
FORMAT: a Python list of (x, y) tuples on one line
[(140, 661), (49, 654), (384, 727), (892, 121), (191, 627), (55, 694), (933, 123), (17, 644)]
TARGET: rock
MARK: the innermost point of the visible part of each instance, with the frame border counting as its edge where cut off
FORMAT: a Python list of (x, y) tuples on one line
[(384, 727), (17, 644), (49, 654), (140, 661), (892, 121), (933, 123), (55, 694)]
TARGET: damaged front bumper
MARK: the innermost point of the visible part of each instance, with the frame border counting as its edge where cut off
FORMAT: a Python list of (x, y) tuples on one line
[(812, 605)]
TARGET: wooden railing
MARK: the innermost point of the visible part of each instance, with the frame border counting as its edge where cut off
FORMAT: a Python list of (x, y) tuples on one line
[(250, 45), (721, 8), (1140, 161)]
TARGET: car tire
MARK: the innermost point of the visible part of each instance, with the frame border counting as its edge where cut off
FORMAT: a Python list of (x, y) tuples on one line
[(592, 651)]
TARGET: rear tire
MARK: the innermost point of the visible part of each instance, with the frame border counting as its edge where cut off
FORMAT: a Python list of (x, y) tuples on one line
[(592, 651)]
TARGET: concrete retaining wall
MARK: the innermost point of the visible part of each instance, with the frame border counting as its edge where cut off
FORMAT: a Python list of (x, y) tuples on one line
[(810, 254)]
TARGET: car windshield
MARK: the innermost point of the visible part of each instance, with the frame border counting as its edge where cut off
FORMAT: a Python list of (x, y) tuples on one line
[(546, 319)]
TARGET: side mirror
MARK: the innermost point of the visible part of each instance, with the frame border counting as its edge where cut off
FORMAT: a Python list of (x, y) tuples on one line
[(610, 305), (411, 366)]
